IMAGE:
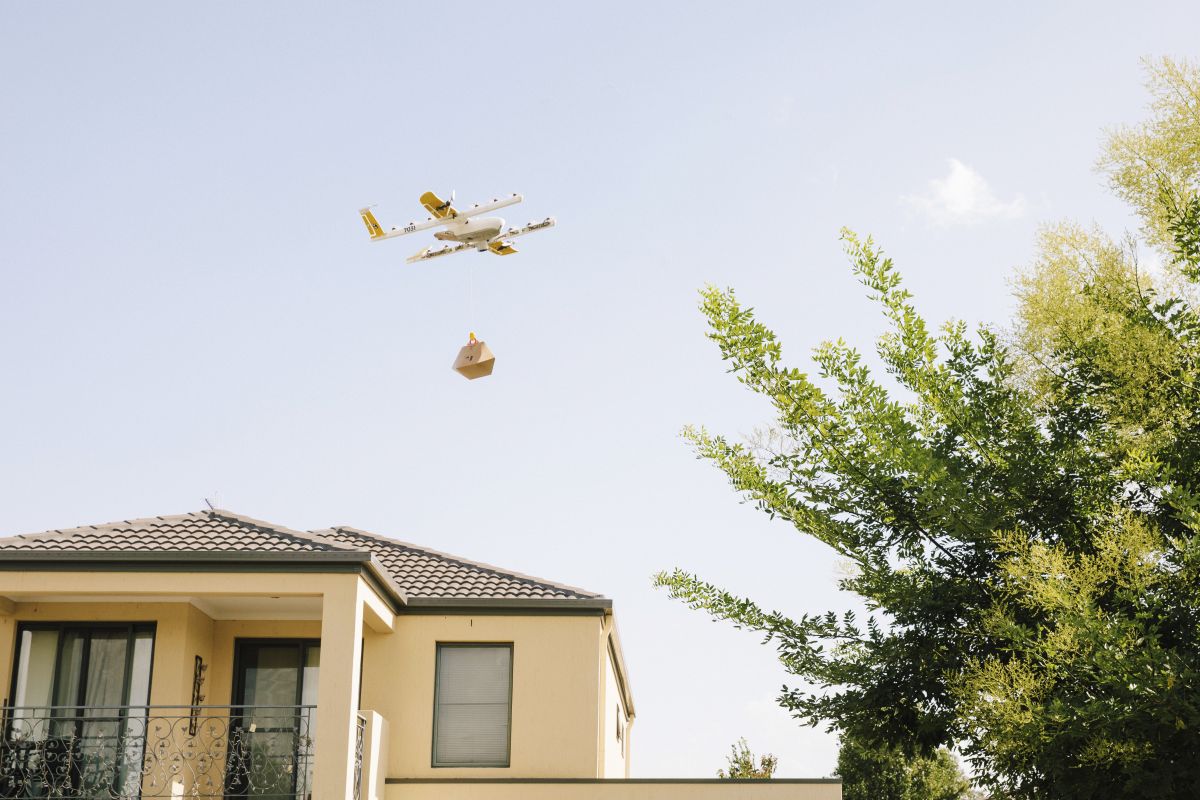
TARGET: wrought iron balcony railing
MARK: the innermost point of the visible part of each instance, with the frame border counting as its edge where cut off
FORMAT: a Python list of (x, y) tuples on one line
[(131, 752), (360, 741)]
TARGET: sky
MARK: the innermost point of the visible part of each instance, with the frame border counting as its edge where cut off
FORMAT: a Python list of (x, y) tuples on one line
[(190, 307)]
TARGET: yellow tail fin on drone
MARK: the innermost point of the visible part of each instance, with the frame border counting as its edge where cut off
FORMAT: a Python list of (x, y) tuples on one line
[(434, 205), (373, 226), (502, 248)]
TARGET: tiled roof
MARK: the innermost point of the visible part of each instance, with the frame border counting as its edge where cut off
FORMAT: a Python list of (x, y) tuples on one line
[(417, 572), (421, 572), (201, 531)]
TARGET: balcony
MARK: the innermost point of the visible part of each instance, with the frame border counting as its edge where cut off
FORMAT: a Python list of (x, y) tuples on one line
[(130, 752)]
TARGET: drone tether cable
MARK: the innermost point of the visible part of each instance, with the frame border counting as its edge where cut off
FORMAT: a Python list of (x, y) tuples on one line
[(471, 298)]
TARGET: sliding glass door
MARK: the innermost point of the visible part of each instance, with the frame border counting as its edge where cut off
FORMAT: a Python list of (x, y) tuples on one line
[(80, 693), (275, 696)]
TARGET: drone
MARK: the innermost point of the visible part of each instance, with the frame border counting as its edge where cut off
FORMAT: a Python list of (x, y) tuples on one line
[(466, 228)]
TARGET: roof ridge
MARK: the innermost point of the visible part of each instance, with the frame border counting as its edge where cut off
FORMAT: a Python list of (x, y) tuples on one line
[(469, 562), (317, 536)]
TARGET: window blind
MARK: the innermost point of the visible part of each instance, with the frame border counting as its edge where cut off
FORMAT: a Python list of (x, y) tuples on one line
[(474, 690)]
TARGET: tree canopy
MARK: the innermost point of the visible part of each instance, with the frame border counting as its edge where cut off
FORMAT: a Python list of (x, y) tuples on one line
[(741, 764), (883, 772), (1020, 507), (1155, 166)]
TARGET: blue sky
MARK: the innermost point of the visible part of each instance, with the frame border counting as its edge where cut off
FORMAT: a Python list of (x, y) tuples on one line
[(190, 307)]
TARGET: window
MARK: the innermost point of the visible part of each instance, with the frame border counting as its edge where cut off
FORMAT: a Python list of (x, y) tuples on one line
[(81, 665), (472, 711)]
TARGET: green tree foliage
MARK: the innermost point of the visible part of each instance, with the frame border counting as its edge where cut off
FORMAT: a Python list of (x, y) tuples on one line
[(1020, 509), (1183, 222), (911, 490), (884, 772), (741, 764), (1098, 696), (1160, 157), (1097, 691)]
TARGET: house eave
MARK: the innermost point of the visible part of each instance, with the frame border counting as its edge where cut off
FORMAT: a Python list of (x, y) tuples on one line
[(508, 605), (208, 561), (184, 559), (618, 657)]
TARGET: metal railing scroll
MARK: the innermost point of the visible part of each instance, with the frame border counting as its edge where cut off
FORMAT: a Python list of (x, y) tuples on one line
[(132, 752)]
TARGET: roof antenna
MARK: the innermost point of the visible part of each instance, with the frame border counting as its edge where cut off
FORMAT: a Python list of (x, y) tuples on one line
[(208, 503)]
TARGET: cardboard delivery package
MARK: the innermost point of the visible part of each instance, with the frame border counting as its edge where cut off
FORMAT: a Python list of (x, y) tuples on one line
[(475, 360)]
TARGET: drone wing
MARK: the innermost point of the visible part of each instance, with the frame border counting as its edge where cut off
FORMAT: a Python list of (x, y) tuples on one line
[(490, 205), (501, 245), (378, 233), (427, 253), (533, 227)]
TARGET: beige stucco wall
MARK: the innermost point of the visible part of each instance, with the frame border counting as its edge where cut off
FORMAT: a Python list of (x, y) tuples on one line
[(618, 790), (555, 699), (616, 753)]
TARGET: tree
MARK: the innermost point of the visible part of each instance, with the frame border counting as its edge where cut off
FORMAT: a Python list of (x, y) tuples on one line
[(1020, 509), (1160, 157), (741, 764), (1097, 692), (911, 492), (885, 773)]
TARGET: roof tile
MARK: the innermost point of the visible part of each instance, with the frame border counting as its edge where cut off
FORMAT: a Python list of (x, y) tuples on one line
[(201, 531), (418, 572), (421, 572)]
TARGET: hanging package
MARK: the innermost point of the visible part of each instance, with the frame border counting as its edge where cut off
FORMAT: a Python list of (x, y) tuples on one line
[(475, 360)]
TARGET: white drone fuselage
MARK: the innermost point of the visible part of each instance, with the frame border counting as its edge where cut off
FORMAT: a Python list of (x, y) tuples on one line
[(471, 230)]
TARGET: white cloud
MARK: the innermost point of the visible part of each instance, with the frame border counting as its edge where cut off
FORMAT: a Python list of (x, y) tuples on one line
[(963, 197)]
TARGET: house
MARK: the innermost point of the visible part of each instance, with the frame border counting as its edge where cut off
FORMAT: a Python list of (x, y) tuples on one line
[(211, 655)]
